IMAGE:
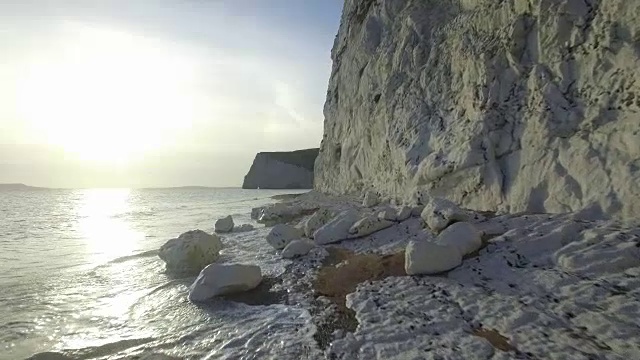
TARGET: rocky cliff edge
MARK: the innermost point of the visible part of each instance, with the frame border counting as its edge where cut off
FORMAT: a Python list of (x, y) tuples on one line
[(508, 105)]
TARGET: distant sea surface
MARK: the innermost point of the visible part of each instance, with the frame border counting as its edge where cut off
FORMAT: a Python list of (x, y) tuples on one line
[(80, 276)]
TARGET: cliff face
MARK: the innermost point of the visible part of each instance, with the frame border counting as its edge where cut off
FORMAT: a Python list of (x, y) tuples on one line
[(282, 170), (517, 105)]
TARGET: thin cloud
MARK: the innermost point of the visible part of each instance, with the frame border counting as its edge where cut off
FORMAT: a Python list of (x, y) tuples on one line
[(204, 82)]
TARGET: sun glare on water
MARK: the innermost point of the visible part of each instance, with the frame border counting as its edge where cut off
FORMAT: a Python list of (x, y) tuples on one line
[(107, 96), (103, 226)]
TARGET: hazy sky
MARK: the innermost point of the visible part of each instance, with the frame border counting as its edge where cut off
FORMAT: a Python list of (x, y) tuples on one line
[(100, 93)]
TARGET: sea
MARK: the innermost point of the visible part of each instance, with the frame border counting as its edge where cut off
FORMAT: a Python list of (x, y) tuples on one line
[(80, 278)]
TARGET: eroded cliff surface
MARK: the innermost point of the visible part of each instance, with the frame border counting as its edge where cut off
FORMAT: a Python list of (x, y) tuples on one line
[(282, 170), (516, 105)]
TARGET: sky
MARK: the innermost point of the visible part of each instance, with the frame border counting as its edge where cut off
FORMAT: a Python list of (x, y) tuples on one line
[(155, 93)]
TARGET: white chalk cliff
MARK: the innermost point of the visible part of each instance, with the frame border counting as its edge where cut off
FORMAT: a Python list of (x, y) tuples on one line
[(514, 105), (282, 170)]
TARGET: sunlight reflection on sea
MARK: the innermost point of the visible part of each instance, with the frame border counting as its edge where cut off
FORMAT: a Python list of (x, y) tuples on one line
[(80, 274)]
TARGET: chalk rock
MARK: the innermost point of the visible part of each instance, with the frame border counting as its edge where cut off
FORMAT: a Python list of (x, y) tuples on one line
[(593, 254), (403, 213), (297, 248), (462, 236), (282, 234), (371, 199), (315, 221), (337, 229), (280, 213), (439, 212), (397, 213), (425, 257), (416, 211), (368, 225), (388, 214), (223, 279), (244, 228), (224, 225), (191, 251), (501, 105), (256, 212)]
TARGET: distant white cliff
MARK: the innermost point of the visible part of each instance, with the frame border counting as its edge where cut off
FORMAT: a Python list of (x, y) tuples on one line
[(282, 170), (515, 105)]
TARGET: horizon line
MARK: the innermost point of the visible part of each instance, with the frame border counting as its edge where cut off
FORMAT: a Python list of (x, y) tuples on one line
[(25, 186)]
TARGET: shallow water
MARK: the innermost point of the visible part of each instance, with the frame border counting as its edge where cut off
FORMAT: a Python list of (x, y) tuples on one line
[(80, 275)]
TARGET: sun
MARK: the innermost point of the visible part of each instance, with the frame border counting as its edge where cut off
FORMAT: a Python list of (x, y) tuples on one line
[(107, 96)]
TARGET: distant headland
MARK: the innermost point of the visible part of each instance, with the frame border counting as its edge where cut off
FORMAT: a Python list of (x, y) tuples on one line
[(282, 170), (19, 187)]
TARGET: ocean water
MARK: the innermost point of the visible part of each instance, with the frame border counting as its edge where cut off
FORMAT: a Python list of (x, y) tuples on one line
[(80, 276)]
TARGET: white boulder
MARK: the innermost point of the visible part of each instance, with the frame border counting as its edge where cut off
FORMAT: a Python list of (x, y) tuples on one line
[(403, 213), (255, 212), (282, 234), (371, 199), (297, 248), (388, 213), (417, 210), (224, 225), (337, 229), (462, 236), (244, 228), (222, 279), (368, 225), (279, 213), (315, 221), (191, 251), (439, 213), (397, 213), (425, 257)]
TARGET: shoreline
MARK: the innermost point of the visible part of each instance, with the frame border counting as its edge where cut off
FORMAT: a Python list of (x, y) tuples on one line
[(538, 286), (353, 286), (288, 197)]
